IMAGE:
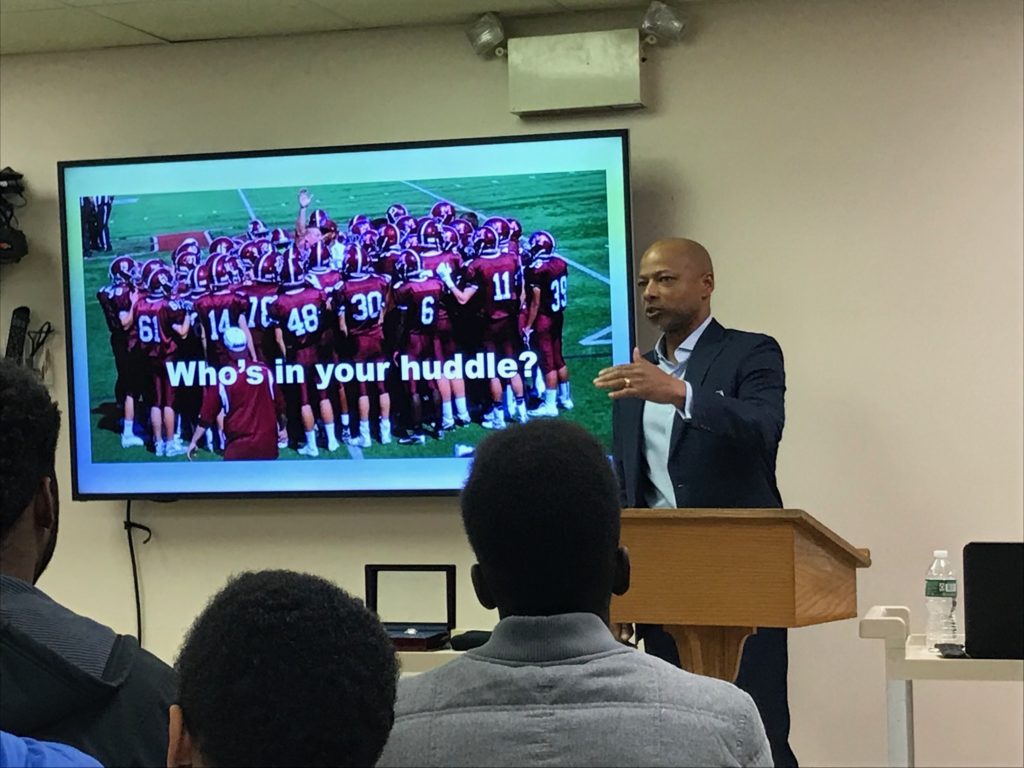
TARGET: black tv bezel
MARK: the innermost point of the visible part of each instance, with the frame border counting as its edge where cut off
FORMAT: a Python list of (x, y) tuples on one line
[(63, 165)]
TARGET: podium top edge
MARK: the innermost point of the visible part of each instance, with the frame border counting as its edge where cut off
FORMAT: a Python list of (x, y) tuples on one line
[(862, 557)]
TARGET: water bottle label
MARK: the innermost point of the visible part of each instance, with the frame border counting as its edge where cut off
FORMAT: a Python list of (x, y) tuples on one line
[(940, 587)]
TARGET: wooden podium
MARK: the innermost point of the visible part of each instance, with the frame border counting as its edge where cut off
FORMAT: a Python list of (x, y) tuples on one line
[(712, 576)]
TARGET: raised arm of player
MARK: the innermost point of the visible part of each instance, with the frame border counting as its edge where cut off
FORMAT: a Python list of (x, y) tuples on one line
[(300, 223)]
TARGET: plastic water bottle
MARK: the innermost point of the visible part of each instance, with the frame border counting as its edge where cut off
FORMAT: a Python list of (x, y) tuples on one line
[(940, 599)]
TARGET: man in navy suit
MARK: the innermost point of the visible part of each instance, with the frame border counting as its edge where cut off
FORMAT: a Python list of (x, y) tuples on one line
[(697, 423)]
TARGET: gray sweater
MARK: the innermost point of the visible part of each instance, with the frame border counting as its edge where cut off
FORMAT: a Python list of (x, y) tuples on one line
[(561, 690)]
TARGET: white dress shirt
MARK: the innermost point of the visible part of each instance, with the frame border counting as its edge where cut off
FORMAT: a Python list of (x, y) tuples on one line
[(659, 419)]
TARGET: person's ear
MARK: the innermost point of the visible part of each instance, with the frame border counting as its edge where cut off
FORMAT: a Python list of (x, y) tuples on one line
[(44, 507), (483, 591), (620, 579), (179, 743), (708, 280)]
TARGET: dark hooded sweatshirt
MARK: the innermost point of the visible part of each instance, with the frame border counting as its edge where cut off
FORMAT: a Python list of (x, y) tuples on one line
[(69, 679)]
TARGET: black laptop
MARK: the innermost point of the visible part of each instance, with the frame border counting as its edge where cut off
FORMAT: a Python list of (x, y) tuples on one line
[(994, 600)]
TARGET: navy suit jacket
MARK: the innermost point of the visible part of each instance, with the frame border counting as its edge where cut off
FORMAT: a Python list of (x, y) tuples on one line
[(725, 455)]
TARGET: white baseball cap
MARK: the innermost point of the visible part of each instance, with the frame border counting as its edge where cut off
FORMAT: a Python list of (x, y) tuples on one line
[(234, 339)]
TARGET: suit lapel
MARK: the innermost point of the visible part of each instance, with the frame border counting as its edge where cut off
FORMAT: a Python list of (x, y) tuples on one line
[(708, 347)]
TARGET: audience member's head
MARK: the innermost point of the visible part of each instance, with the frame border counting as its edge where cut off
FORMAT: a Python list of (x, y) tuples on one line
[(29, 423), (283, 669), (541, 510)]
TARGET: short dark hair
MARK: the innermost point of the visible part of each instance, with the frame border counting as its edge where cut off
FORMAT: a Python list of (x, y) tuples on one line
[(541, 510), (285, 668), (29, 424)]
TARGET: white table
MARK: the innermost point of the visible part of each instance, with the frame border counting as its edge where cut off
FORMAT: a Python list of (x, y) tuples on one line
[(906, 660)]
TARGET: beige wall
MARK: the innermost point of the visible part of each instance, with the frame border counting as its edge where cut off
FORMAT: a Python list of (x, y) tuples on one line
[(854, 167)]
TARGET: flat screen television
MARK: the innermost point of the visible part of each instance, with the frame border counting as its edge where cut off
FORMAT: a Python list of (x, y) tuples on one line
[(342, 320)]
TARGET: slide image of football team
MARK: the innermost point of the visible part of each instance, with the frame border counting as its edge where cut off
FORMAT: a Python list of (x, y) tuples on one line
[(392, 319)]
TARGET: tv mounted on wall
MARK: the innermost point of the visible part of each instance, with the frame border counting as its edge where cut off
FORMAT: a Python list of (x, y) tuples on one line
[(343, 320)]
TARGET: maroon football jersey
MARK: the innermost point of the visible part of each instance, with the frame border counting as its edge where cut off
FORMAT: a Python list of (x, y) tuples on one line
[(447, 304), (115, 299), (431, 261), (328, 281), (361, 298), (299, 315), (216, 313), (498, 282), (259, 297), (421, 300), (551, 275), (250, 415), (154, 318)]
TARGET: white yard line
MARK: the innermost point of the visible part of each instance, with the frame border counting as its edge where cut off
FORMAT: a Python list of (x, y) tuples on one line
[(245, 202), (598, 338)]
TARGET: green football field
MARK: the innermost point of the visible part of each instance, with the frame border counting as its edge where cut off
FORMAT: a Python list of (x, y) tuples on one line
[(572, 206)]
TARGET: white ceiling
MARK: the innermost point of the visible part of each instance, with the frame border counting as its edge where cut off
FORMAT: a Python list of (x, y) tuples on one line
[(31, 26)]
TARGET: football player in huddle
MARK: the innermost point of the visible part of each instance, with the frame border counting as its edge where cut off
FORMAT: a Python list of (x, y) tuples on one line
[(326, 279), (360, 306), (160, 323), (259, 293), (221, 308), (417, 298), (547, 282), (298, 315), (495, 280), (116, 302), (442, 249)]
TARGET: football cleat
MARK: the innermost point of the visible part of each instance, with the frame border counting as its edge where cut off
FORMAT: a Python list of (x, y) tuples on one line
[(544, 411), (131, 441), (494, 420), (159, 448), (566, 403), (414, 438), (385, 432), (309, 449), (175, 448)]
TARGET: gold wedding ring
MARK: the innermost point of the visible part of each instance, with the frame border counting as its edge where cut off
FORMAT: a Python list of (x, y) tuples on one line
[(627, 383)]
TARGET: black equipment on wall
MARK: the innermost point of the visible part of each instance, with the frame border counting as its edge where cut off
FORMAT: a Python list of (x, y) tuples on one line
[(12, 240)]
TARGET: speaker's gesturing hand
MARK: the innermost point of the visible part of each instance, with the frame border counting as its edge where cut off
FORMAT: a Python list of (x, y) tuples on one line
[(642, 379)]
